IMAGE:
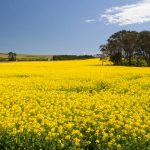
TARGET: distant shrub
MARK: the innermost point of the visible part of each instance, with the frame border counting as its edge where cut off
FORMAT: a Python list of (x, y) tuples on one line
[(142, 63), (135, 62), (11, 56)]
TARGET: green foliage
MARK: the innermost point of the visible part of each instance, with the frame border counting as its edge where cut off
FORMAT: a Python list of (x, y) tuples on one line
[(142, 63), (32, 141), (116, 58), (135, 62)]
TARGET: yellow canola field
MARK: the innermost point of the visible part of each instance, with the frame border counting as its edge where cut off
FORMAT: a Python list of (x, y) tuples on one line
[(74, 104)]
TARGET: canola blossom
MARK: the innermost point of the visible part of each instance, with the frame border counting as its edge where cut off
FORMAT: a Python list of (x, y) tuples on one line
[(74, 105)]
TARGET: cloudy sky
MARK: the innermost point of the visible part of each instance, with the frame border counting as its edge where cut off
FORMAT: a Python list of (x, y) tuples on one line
[(67, 26)]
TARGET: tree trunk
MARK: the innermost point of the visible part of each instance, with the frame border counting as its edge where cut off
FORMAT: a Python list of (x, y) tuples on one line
[(149, 61), (129, 60)]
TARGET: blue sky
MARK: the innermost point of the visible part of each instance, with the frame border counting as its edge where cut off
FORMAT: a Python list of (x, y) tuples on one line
[(67, 26)]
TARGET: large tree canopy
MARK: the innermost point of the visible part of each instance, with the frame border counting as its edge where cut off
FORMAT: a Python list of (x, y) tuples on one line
[(128, 46)]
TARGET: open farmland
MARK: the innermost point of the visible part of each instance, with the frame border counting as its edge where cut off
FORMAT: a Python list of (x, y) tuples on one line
[(74, 105), (26, 57)]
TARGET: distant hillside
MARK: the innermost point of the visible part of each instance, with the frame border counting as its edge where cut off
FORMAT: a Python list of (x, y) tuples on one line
[(28, 57)]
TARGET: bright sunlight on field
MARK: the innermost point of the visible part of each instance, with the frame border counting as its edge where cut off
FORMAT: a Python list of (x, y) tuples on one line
[(74, 105)]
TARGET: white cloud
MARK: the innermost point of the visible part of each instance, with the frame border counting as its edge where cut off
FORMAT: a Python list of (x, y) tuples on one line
[(129, 14), (89, 20)]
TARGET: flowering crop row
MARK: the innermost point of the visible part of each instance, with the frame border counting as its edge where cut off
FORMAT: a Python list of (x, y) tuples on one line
[(74, 105)]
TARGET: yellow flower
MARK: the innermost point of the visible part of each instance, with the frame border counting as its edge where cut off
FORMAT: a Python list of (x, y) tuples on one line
[(88, 142), (119, 147), (14, 131), (88, 130), (76, 141), (97, 141), (76, 132), (67, 137), (69, 101)]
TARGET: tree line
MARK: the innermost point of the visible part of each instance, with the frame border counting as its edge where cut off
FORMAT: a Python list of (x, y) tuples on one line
[(71, 57), (128, 48)]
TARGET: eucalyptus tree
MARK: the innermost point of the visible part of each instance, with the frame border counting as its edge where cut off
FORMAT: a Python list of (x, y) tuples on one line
[(105, 53), (144, 43), (131, 45), (122, 45)]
